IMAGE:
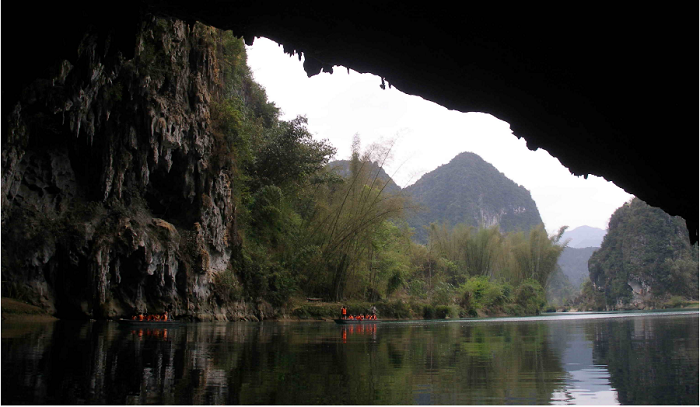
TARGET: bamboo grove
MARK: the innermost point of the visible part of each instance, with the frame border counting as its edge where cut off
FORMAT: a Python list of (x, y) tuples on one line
[(307, 229)]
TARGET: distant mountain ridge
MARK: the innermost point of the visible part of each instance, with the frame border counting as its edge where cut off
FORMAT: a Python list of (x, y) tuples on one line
[(584, 236), (574, 264), (342, 167), (470, 190)]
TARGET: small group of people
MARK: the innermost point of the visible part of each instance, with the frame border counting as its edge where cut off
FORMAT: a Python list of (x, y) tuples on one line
[(371, 314), (150, 317), (363, 317)]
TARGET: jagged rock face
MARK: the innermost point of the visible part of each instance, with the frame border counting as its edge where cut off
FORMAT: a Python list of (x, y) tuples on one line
[(110, 201), (646, 256), (469, 190)]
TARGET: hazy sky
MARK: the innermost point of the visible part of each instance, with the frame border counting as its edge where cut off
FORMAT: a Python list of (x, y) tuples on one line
[(426, 135)]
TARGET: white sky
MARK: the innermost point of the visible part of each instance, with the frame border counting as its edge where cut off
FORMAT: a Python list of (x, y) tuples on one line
[(426, 135)]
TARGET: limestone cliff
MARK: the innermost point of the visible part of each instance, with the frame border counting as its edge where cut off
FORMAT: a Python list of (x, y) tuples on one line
[(645, 258), (112, 201), (470, 190)]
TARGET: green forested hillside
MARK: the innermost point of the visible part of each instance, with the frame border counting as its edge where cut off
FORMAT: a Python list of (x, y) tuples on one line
[(574, 264), (342, 168), (645, 258), (469, 190)]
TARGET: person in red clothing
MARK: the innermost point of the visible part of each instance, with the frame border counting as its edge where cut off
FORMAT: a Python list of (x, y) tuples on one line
[(343, 312)]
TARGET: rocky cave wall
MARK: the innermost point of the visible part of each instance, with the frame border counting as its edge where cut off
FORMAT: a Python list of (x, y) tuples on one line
[(111, 202)]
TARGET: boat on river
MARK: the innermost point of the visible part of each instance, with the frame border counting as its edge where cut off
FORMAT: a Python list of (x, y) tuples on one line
[(355, 321), (150, 324)]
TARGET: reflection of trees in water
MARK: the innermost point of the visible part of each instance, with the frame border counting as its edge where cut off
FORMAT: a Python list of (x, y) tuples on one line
[(277, 363), (501, 363), (285, 364), (650, 360)]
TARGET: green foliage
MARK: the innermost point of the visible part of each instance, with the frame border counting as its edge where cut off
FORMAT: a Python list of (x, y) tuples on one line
[(590, 297), (315, 311), (349, 222), (473, 291), (440, 311), (394, 309), (466, 190), (337, 231), (266, 214), (443, 294), (281, 285), (529, 297), (559, 289), (482, 293), (536, 258), (497, 295), (644, 244), (233, 150), (289, 156), (227, 287), (259, 275), (676, 301)]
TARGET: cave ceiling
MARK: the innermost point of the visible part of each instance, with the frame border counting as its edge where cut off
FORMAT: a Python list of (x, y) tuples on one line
[(608, 89)]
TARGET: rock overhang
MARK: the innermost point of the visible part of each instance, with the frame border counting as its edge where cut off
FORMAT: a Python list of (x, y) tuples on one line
[(602, 88)]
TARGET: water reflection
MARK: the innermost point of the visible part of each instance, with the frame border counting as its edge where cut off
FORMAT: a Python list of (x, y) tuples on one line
[(364, 329), (640, 359)]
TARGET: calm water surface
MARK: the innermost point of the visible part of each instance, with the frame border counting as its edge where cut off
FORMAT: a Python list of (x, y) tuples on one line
[(596, 358)]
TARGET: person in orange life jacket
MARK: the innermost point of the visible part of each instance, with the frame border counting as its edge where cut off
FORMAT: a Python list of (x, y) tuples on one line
[(343, 312)]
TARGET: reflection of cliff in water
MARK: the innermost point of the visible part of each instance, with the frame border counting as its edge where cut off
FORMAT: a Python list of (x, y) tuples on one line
[(102, 363), (625, 360), (98, 363), (651, 360)]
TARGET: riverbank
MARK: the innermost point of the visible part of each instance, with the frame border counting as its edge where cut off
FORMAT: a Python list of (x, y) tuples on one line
[(14, 310), (387, 310)]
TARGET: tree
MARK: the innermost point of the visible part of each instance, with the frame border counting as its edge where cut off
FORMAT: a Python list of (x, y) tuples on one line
[(536, 257), (289, 155), (347, 221)]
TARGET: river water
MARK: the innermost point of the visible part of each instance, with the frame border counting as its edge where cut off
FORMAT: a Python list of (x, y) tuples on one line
[(570, 358)]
